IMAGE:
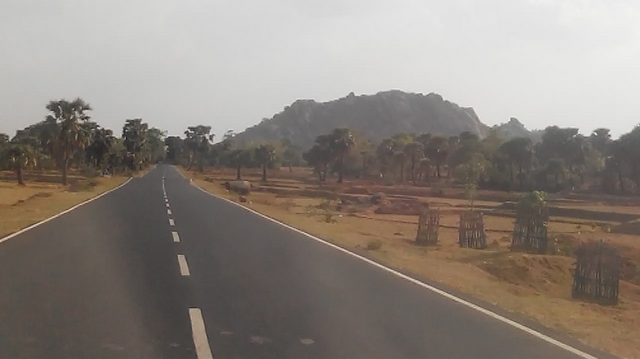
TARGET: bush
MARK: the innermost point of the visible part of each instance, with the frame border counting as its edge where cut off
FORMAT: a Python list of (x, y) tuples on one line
[(374, 245)]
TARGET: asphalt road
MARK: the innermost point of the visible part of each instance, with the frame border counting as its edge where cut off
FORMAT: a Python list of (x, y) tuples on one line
[(135, 275)]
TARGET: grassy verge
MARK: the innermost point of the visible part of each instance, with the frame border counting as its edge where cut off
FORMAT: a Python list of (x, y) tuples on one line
[(536, 286), (23, 206)]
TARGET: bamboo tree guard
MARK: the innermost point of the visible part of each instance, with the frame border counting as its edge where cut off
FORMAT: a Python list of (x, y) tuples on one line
[(597, 274), (428, 227), (530, 230), (472, 233)]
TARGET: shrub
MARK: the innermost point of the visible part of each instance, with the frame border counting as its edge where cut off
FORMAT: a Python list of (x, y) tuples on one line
[(374, 245)]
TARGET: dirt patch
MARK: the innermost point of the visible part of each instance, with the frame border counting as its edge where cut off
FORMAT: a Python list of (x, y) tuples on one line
[(533, 273)]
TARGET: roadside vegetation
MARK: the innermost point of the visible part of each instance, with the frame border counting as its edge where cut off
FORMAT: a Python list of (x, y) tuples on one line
[(66, 159), (367, 197)]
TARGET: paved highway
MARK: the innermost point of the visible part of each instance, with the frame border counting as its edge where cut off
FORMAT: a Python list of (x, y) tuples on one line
[(160, 269)]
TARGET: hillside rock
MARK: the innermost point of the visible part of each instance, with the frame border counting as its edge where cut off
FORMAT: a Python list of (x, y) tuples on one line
[(514, 128), (376, 116)]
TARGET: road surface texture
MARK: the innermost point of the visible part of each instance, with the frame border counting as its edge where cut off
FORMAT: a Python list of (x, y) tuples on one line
[(160, 269)]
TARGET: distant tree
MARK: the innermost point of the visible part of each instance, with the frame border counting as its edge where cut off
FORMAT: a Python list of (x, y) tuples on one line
[(154, 140), (99, 146), (68, 117), (556, 168), (415, 152), (175, 149), (197, 142), (134, 135), (600, 140), (469, 174), (519, 152), (240, 158), (437, 151), (341, 141), (265, 154), (320, 155), (17, 157)]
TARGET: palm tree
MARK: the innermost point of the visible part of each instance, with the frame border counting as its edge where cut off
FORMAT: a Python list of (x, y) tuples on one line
[(264, 154), (101, 142), (68, 117), (134, 135), (341, 141)]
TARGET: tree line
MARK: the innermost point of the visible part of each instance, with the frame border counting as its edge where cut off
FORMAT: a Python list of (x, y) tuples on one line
[(563, 159), (67, 138)]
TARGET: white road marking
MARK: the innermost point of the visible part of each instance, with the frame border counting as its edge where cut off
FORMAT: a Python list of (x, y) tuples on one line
[(199, 333), (169, 212), (4, 239), (176, 237), (184, 267), (171, 222), (441, 292), (167, 204)]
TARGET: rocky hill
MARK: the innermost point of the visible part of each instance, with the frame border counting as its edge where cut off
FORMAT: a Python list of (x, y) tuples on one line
[(377, 116), (515, 128)]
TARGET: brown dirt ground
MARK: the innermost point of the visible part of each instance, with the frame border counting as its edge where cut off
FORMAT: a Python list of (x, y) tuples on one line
[(537, 286)]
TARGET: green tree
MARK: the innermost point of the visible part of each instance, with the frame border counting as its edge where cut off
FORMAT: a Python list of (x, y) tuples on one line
[(519, 152), (240, 158), (265, 154), (470, 173), (437, 151), (134, 136), (175, 149), (320, 155), (415, 152), (600, 140), (18, 157), (100, 144), (70, 136), (341, 141), (197, 142), (556, 168)]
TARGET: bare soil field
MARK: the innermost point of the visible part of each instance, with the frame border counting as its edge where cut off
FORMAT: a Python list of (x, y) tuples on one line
[(536, 286), (44, 196)]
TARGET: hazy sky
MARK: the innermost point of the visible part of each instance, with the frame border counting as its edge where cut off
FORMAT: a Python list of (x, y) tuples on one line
[(229, 64)]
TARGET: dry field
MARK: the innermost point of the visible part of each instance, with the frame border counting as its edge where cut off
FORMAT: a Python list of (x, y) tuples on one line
[(44, 196), (536, 286)]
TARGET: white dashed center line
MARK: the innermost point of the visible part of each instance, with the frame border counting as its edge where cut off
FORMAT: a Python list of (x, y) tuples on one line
[(203, 351), (184, 267), (167, 204), (176, 237), (169, 212), (171, 222)]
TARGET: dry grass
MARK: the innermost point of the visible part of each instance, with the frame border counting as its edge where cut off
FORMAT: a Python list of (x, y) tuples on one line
[(537, 286), (22, 206)]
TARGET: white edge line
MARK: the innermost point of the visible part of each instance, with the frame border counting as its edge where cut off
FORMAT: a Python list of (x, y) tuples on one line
[(176, 236), (172, 222), (199, 333), (448, 295), (8, 237), (184, 267)]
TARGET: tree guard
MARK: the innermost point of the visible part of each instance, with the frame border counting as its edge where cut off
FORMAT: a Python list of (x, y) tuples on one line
[(530, 230), (472, 233), (428, 227), (597, 274)]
